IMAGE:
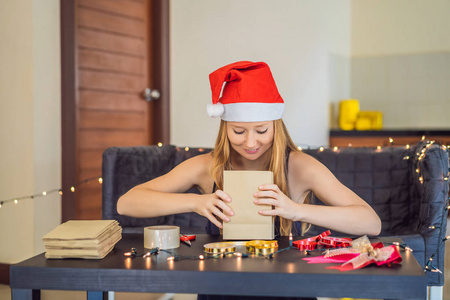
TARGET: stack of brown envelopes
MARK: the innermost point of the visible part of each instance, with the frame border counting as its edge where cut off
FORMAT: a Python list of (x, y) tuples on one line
[(82, 239)]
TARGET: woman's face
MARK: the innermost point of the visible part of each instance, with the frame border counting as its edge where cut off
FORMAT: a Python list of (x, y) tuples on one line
[(250, 139)]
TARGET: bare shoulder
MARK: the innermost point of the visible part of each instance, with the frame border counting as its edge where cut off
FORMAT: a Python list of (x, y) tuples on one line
[(304, 167), (197, 169), (189, 173), (301, 160), (198, 165)]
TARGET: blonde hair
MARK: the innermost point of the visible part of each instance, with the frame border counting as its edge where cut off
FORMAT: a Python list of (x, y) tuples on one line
[(276, 163)]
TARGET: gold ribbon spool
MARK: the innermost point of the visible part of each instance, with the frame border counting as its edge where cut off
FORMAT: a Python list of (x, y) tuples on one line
[(257, 247), (221, 247), (260, 247)]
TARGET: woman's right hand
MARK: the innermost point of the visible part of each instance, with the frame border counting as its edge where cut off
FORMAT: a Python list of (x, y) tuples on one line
[(211, 205)]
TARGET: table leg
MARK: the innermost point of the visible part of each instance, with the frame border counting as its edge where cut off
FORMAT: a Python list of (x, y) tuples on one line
[(25, 294), (97, 295)]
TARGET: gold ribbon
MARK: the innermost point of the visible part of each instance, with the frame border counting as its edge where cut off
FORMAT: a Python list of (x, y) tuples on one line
[(257, 247)]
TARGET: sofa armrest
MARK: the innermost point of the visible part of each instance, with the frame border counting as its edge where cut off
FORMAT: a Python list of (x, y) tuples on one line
[(430, 171)]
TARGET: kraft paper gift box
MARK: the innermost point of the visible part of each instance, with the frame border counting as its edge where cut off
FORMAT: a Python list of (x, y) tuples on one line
[(89, 239), (247, 223)]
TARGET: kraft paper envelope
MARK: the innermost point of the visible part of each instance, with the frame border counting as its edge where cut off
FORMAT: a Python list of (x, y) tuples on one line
[(247, 223)]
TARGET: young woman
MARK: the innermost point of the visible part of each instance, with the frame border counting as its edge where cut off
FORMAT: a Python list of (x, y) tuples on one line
[(252, 136)]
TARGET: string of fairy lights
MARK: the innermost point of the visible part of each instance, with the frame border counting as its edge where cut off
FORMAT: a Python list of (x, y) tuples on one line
[(429, 265), (420, 155), (45, 193), (73, 188)]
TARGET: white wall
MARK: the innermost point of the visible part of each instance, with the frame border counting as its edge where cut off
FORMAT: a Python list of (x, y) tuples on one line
[(386, 27), (46, 116), (30, 154), (401, 61), (306, 44)]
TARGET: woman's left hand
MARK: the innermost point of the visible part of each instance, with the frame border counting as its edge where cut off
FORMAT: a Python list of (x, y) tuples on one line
[(271, 194)]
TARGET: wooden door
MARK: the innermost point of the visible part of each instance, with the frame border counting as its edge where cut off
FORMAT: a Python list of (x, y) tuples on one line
[(113, 55)]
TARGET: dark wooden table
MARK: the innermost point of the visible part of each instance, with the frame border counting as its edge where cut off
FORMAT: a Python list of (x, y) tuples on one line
[(286, 274)]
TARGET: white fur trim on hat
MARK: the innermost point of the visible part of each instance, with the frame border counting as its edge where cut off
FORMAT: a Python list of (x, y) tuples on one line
[(252, 112), (215, 110)]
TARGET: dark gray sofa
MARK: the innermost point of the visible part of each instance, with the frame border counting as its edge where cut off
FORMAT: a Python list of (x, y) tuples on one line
[(407, 187)]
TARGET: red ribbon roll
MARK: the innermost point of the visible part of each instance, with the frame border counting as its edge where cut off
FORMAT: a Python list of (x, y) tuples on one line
[(332, 242), (310, 243), (306, 244)]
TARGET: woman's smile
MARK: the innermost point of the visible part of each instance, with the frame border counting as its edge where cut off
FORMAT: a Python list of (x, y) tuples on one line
[(251, 151)]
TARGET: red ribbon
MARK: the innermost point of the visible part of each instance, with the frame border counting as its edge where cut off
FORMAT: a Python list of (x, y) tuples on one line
[(332, 242), (310, 243), (395, 257)]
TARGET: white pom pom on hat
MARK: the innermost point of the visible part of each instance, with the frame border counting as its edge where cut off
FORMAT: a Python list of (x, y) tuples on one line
[(249, 93), (215, 110)]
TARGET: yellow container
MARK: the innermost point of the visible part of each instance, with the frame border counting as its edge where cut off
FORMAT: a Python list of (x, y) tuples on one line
[(363, 123), (348, 114), (369, 120)]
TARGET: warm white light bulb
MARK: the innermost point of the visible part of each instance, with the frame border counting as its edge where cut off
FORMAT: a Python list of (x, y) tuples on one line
[(160, 144), (436, 270)]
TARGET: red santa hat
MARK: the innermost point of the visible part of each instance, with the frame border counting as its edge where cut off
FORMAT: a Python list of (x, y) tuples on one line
[(249, 93)]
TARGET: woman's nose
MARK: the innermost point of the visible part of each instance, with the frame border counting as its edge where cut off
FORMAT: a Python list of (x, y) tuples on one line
[(250, 141)]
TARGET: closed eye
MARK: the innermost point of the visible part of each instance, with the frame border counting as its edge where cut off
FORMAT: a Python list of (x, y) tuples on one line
[(238, 132), (262, 132)]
